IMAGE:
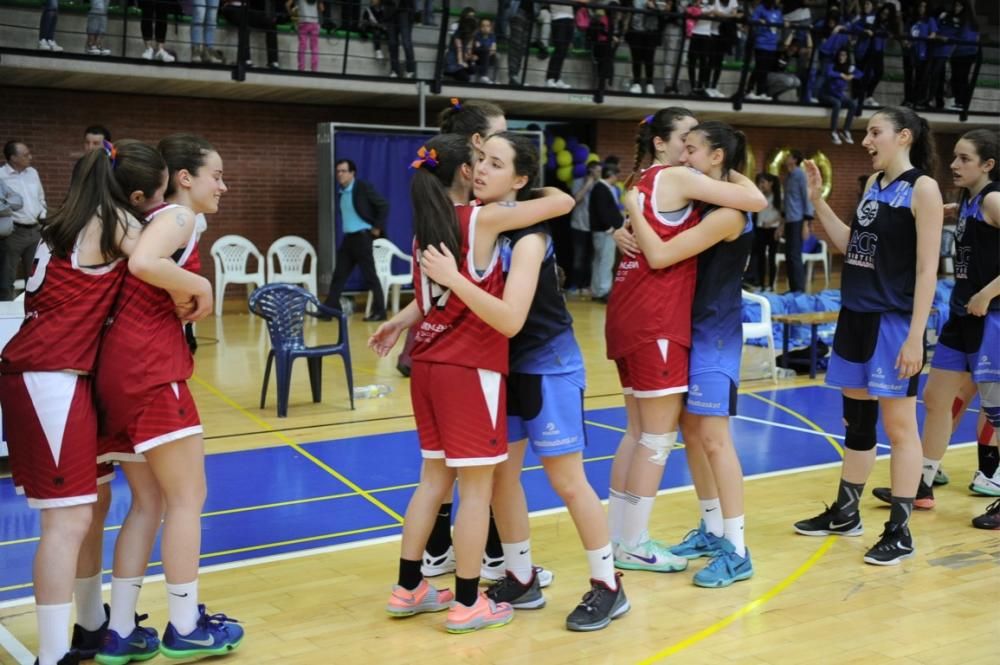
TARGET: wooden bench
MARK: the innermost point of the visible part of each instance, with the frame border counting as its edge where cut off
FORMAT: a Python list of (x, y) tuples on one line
[(811, 319)]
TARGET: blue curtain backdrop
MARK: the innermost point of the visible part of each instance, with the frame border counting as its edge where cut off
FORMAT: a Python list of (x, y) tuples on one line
[(383, 159)]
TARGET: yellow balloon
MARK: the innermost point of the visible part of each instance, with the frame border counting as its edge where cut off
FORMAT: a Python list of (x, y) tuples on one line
[(564, 158), (593, 157), (750, 163), (777, 161), (543, 153), (565, 173), (558, 144)]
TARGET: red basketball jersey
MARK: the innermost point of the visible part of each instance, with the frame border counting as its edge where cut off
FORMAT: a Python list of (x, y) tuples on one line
[(450, 333), (647, 304), (65, 307), (144, 346)]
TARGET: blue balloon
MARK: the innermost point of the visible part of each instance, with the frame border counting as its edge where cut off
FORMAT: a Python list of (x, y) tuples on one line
[(571, 143), (579, 170), (580, 154), (551, 163)]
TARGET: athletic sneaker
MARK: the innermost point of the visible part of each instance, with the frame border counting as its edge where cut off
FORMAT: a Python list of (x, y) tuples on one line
[(433, 566), (520, 596), (71, 658), (599, 606), (425, 598), (831, 522), (983, 484), (698, 543), (990, 519), (545, 576), (483, 614), (894, 545), (88, 642), (924, 500), (213, 635), (650, 555), (941, 478), (141, 644), (493, 568), (725, 568)]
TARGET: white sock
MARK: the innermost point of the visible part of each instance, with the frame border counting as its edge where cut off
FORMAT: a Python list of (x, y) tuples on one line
[(711, 513), (182, 604), (930, 470), (517, 559), (602, 566), (89, 603), (124, 598), (616, 511), (53, 632), (636, 518), (733, 528)]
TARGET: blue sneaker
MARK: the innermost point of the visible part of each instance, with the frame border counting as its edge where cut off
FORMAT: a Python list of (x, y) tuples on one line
[(141, 644), (649, 555), (698, 543), (725, 568), (214, 635)]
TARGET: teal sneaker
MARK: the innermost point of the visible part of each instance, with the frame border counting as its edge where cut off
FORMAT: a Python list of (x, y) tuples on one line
[(698, 543), (725, 568), (649, 555), (141, 644), (213, 635)]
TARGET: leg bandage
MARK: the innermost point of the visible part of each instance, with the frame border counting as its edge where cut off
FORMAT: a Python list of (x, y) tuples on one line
[(660, 444), (989, 398), (860, 417)]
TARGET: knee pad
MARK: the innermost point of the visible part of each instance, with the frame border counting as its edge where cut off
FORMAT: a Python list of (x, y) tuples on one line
[(989, 399), (660, 444), (860, 417)]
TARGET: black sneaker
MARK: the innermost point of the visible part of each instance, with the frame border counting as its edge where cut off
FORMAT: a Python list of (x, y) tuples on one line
[(88, 642), (831, 522), (599, 606), (990, 519), (520, 596), (924, 500), (894, 545), (71, 658)]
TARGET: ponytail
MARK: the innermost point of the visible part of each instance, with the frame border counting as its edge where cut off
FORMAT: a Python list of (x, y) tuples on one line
[(434, 219), (732, 142), (986, 142), (468, 117), (923, 154), (660, 124)]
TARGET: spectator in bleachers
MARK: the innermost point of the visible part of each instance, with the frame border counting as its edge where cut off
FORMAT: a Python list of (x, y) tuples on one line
[(427, 14), (484, 48), (701, 46), (562, 36), (767, 20), (350, 14), (602, 41), (399, 25), (836, 93), (964, 57), (673, 26), (915, 51), (97, 25), (153, 26), (459, 60), (833, 35), (373, 25), (781, 80), (258, 14), (724, 38), (643, 37), (873, 28), (204, 16), (47, 26), (946, 26), (307, 14)]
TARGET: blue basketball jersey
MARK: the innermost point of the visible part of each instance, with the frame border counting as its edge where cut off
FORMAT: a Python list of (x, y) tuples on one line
[(977, 252)]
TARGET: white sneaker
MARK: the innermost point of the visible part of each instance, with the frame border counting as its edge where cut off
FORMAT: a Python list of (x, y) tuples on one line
[(635, 89), (871, 101), (847, 137), (54, 47), (432, 566), (148, 53), (493, 568), (486, 79), (393, 75), (545, 576), (752, 96), (651, 555), (766, 98), (43, 45), (836, 138), (163, 56), (92, 50), (551, 83), (983, 484), (562, 84), (379, 55), (650, 90), (105, 51), (715, 92), (411, 75)]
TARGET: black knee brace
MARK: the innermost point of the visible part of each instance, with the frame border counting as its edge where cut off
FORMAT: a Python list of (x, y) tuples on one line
[(861, 417)]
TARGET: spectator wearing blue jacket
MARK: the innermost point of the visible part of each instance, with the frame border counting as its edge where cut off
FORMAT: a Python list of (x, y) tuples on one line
[(946, 28), (869, 51), (767, 21), (964, 56), (833, 35), (915, 51), (836, 94)]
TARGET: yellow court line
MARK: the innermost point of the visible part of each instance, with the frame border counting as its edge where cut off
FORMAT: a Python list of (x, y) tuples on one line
[(299, 449), (796, 414), (746, 609)]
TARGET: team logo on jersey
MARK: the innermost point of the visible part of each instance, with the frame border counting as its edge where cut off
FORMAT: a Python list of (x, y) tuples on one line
[(984, 360), (550, 429), (960, 228), (878, 373), (695, 389), (867, 211)]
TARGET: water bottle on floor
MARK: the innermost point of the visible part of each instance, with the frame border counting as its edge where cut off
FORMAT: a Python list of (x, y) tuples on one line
[(372, 390)]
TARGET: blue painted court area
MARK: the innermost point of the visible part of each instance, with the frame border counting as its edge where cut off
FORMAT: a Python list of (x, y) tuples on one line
[(275, 500)]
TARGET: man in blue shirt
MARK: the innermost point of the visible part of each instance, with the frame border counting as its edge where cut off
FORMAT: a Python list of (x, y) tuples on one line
[(362, 216), (797, 209)]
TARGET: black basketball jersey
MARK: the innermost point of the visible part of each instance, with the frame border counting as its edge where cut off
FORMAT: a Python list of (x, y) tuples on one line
[(880, 265), (977, 251)]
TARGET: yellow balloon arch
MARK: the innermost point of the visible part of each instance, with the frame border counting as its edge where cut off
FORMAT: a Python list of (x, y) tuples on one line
[(777, 160)]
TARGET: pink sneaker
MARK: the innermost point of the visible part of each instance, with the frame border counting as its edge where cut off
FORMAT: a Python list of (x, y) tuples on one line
[(484, 614), (425, 598)]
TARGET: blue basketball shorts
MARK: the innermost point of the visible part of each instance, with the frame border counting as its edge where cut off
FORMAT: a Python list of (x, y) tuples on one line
[(865, 347), (547, 409)]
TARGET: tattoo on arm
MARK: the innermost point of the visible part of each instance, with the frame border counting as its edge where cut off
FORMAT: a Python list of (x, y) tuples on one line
[(181, 219), (507, 204)]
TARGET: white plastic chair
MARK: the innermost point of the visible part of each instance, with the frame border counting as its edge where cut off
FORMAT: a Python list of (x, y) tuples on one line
[(384, 251), (821, 255), (231, 255), (292, 253), (762, 328)]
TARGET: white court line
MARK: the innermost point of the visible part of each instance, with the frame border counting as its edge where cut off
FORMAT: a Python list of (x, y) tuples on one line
[(13, 646)]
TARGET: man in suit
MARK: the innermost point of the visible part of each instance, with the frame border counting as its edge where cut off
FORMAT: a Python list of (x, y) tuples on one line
[(362, 217), (605, 219)]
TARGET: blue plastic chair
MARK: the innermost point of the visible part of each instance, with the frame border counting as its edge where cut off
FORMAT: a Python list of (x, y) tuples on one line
[(284, 307)]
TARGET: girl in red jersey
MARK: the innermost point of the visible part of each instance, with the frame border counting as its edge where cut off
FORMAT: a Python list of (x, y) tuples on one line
[(648, 332), (46, 385), (458, 370), (148, 415)]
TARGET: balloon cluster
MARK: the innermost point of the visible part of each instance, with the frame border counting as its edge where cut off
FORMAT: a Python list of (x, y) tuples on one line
[(567, 157), (822, 161)]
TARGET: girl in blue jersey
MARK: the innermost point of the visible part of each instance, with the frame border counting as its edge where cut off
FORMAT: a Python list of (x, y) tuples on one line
[(767, 20), (722, 242), (890, 273)]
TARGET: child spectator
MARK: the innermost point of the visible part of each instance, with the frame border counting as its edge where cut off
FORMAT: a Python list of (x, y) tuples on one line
[(725, 35), (644, 37), (373, 25), (459, 61), (673, 25), (963, 57), (915, 51), (307, 12), (484, 50), (767, 20), (945, 28), (836, 94), (834, 36)]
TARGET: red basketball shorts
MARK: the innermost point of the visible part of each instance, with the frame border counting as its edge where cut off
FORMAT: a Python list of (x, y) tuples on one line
[(655, 369), (168, 415)]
